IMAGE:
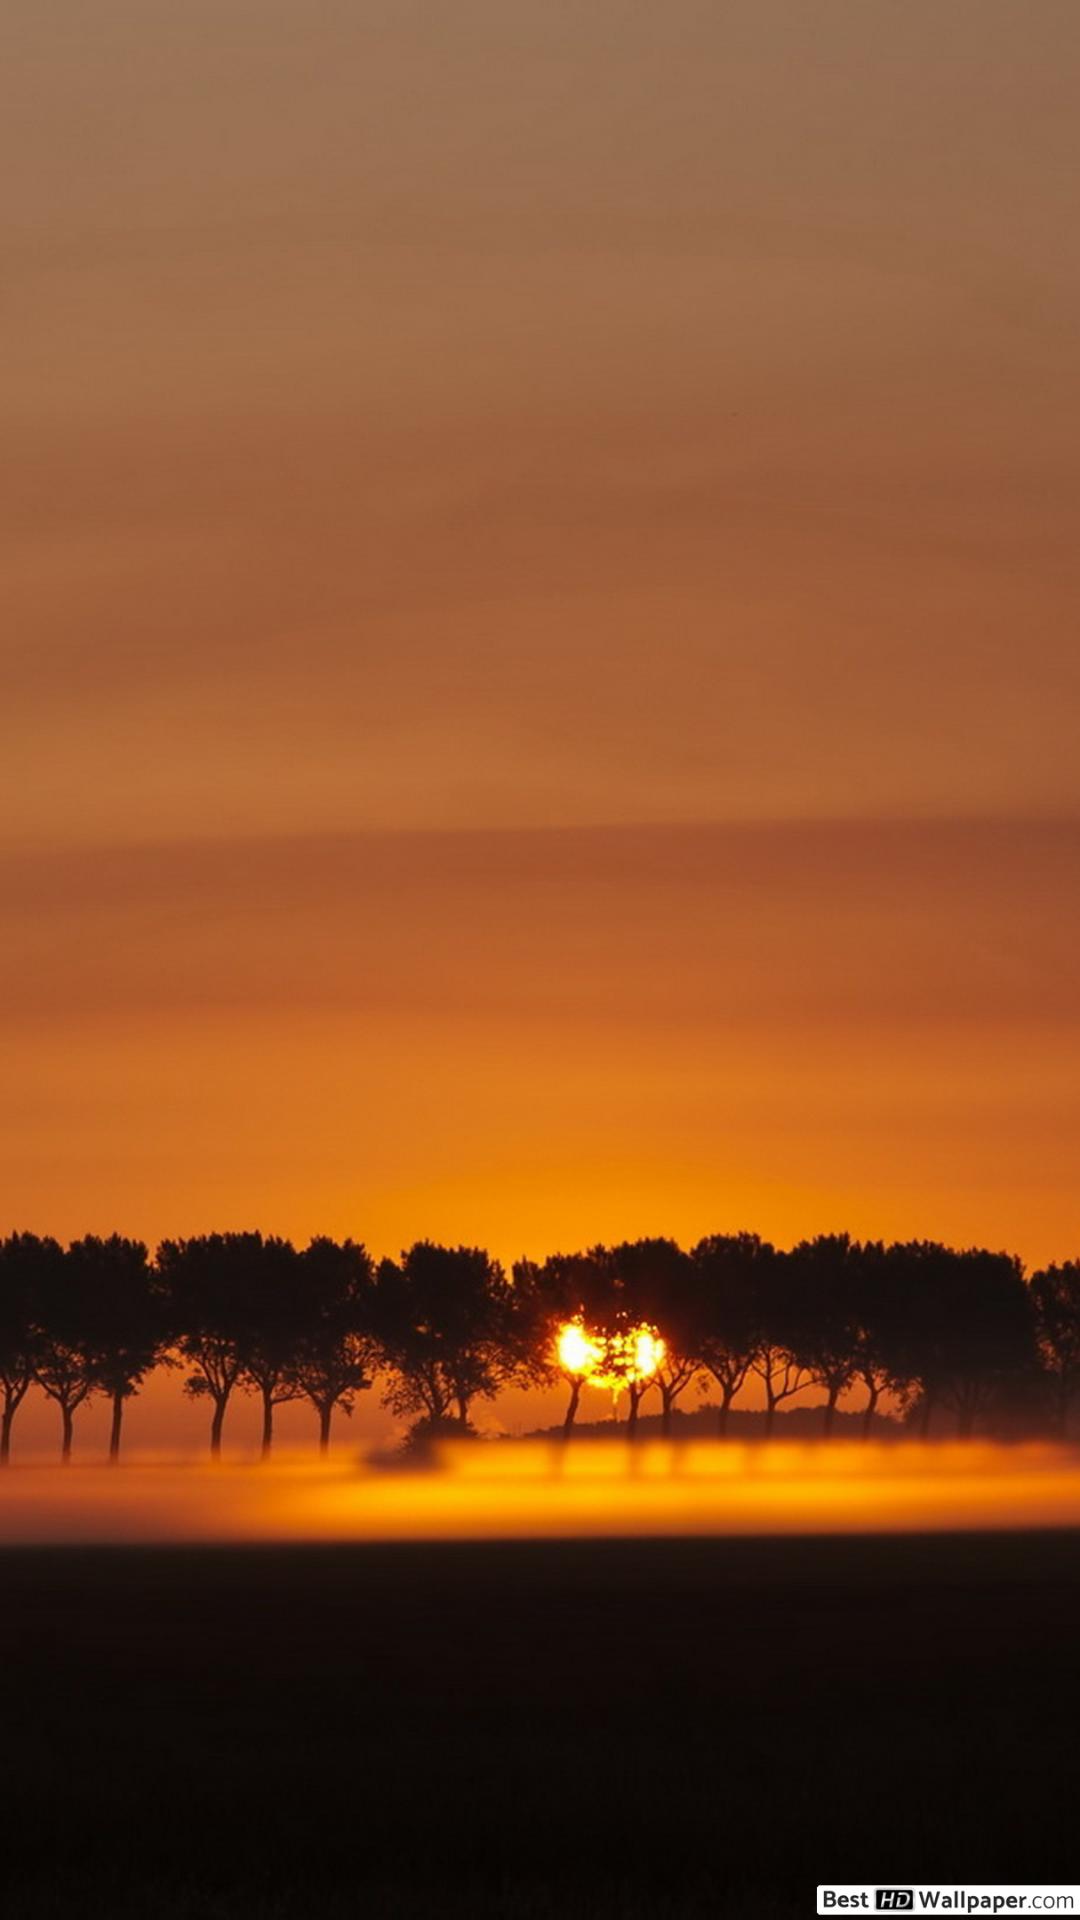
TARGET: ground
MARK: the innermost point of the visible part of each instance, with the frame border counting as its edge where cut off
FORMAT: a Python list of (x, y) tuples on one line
[(586, 1729)]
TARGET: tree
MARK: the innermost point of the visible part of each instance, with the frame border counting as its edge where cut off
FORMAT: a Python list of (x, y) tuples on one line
[(566, 1289), (956, 1329), (657, 1288), (781, 1360), (872, 1359), (730, 1271), (826, 1273), (993, 1336), (914, 1284), (269, 1342), (594, 1294), (65, 1351), (443, 1317), (337, 1353), (124, 1318), (24, 1261), (212, 1285), (1055, 1299)]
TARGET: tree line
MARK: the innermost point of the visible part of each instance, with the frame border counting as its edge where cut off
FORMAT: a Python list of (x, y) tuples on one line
[(940, 1331)]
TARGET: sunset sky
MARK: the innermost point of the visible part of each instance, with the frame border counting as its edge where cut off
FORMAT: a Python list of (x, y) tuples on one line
[(541, 671)]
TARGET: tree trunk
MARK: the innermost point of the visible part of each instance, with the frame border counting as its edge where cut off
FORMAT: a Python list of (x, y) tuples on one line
[(216, 1425), (830, 1412), (268, 1422), (462, 1410), (770, 1412), (571, 1409), (869, 1409), (6, 1419), (667, 1401), (631, 1416), (68, 1419), (925, 1414), (726, 1397), (325, 1415), (114, 1432)]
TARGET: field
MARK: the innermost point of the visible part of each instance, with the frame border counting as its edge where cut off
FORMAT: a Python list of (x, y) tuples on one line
[(661, 1728)]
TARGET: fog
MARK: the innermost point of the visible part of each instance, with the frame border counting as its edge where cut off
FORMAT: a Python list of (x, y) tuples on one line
[(542, 1490)]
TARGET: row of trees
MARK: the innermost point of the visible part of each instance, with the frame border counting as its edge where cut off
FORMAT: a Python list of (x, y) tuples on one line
[(931, 1327), (240, 1312)]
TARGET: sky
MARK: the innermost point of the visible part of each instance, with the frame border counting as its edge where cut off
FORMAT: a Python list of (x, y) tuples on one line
[(540, 680)]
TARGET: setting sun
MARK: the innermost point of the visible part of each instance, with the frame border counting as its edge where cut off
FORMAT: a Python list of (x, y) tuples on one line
[(616, 1359), (577, 1352)]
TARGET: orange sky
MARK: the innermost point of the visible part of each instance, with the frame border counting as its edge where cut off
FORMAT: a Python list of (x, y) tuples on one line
[(540, 674)]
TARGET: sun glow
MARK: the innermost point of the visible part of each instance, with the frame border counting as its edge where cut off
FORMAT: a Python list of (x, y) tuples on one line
[(577, 1353), (499, 1490), (623, 1357)]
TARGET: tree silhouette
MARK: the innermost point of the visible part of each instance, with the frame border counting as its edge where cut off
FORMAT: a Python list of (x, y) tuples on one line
[(548, 1295), (825, 1275), (939, 1328), (1055, 1299), (125, 1317), (781, 1360), (956, 1326), (212, 1282), (873, 1363), (24, 1259), (992, 1335), (656, 1282), (915, 1282), (337, 1353), (444, 1321), (729, 1270), (65, 1350), (597, 1289), (269, 1339)]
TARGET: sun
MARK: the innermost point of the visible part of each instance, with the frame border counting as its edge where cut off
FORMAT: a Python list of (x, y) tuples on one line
[(620, 1357), (577, 1352)]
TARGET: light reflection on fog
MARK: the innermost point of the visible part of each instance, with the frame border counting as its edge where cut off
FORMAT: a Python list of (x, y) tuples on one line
[(540, 1489)]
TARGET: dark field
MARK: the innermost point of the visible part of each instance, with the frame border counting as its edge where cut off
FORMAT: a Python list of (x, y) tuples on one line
[(640, 1728)]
